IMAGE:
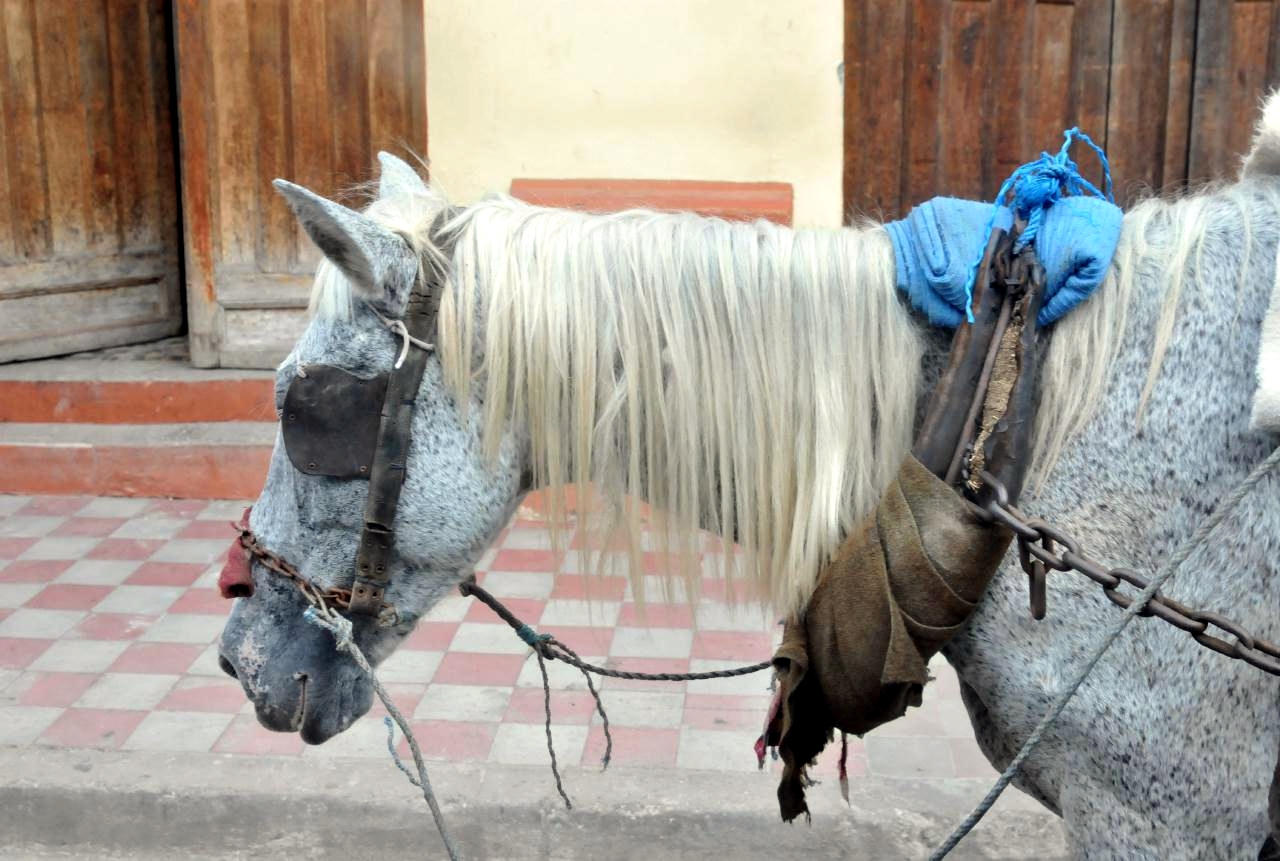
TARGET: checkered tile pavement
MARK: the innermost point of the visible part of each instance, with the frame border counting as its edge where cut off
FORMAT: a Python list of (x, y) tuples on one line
[(109, 611)]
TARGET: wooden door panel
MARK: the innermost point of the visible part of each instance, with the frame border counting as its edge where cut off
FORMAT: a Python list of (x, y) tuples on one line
[(1149, 104), (88, 211), (1237, 62), (270, 88), (949, 96)]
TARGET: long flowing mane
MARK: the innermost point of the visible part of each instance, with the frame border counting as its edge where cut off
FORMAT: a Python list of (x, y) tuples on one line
[(747, 379)]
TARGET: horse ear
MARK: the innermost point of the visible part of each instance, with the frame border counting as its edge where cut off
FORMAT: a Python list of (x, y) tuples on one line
[(1264, 158), (378, 262), (398, 178)]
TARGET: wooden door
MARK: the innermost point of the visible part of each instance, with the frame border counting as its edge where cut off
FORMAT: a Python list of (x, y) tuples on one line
[(309, 91), (949, 96), (88, 198), (1237, 61)]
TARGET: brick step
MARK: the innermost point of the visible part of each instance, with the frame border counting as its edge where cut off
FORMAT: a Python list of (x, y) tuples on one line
[(131, 392), (202, 460), (735, 201)]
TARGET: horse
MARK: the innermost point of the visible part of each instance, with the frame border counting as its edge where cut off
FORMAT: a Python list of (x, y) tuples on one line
[(762, 384)]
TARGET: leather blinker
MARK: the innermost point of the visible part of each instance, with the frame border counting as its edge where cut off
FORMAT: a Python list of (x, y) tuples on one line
[(330, 422)]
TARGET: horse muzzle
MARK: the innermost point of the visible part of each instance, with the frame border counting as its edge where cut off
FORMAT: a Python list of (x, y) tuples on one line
[(293, 675)]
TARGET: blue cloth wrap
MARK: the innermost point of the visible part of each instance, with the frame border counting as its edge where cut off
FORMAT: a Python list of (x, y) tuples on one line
[(936, 246)]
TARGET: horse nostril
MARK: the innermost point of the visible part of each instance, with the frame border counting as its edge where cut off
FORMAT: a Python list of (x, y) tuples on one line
[(227, 668)]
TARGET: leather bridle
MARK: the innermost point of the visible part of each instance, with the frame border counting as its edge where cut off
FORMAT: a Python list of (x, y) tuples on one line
[(341, 426)]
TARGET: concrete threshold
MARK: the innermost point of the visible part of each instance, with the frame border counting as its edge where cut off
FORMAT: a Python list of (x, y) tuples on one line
[(80, 804)]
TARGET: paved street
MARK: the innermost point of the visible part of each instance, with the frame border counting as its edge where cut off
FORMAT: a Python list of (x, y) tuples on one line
[(109, 612)]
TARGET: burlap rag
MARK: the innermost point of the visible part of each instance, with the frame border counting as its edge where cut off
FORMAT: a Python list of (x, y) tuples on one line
[(898, 589)]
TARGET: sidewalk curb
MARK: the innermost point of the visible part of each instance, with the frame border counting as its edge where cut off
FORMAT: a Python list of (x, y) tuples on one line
[(211, 805)]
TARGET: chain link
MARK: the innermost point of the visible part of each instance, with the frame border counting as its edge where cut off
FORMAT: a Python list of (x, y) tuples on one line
[(330, 603), (1042, 547)]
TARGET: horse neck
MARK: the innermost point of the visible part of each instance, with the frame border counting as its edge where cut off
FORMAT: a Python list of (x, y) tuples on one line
[(746, 378)]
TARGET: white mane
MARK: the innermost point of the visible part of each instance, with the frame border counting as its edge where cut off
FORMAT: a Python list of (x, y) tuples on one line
[(748, 379)]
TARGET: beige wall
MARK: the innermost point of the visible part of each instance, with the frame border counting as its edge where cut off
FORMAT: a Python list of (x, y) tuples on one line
[(741, 90)]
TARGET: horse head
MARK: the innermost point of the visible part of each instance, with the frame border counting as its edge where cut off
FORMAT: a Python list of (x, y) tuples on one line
[(454, 500)]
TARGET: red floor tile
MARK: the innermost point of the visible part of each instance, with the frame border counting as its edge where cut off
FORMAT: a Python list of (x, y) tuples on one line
[(166, 574), (246, 736), (455, 741), (33, 570), (67, 596), (126, 548), (568, 707), (98, 728), (12, 548), (204, 694), (57, 689), (655, 616), (583, 639), (598, 542), (200, 601), (732, 646), (719, 589), (207, 529), (640, 746), (526, 560), (464, 668), (404, 696), (431, 636), (711, 716), (94, 527), (527, 610), (156, 658), (729, 702), (54, 506), (664, 563), (187, 508), (16, 653), (584, 586), (111, 626)]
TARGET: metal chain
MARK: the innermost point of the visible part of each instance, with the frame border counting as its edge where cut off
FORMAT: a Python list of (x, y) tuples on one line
[(1038, 552), (1133, 607), (330, 602)]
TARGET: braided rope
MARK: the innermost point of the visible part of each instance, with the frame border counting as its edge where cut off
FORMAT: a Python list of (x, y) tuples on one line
[(555, 650), (548, 648), (340, 627)]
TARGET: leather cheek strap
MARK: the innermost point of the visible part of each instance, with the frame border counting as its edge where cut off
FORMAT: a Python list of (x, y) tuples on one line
[(386, 476)]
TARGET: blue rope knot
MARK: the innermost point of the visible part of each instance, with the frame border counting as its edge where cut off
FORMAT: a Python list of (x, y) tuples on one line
[(532, 637), (1035, 187)]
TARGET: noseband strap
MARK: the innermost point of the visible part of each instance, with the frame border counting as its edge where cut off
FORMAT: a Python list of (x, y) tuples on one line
[(386, 475)]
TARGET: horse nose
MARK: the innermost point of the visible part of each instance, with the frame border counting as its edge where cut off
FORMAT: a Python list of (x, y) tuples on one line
[(227, 667)]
